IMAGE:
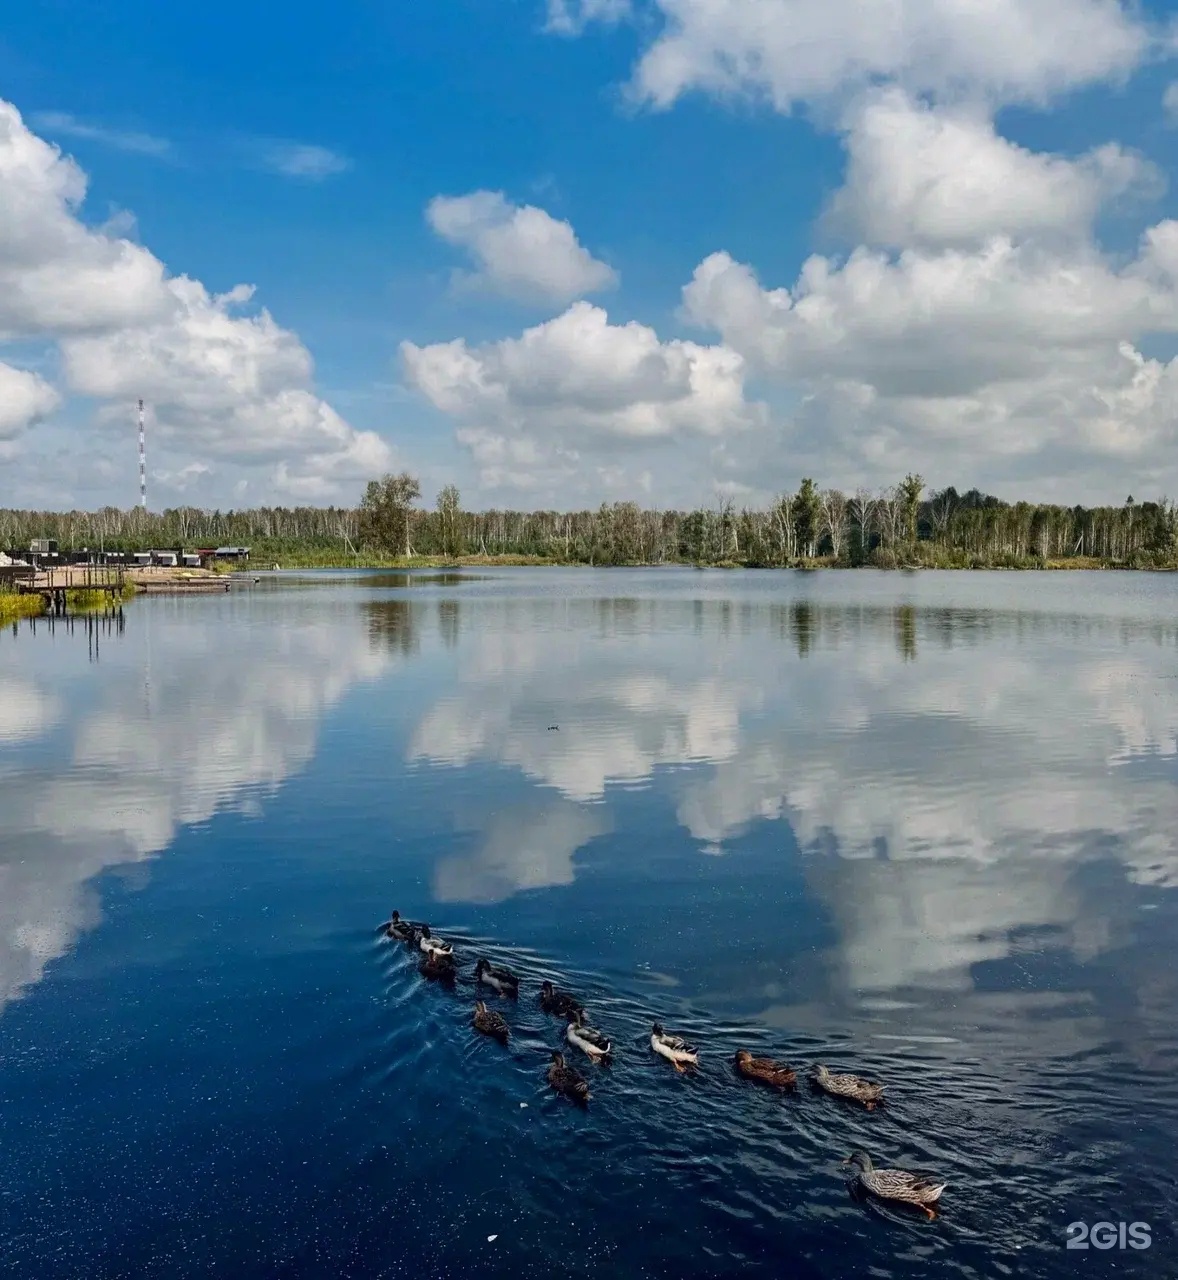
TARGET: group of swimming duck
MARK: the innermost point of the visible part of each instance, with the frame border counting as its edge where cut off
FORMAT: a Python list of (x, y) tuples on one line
[(437, 962)]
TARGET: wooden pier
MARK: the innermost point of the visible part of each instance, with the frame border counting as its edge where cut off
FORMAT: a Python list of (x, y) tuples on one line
[(54, 585)]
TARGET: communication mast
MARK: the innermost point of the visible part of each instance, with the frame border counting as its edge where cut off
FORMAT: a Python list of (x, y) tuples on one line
[(142, 461)]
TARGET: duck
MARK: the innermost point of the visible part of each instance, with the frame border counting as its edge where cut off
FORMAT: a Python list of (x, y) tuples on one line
[(675, 1049), (561, 1003), (566, 1081), (920, 1189), (587, 1039), (438, 967), (764, 1069), (490, 1023), (848, 1086), (434, 946), (503, 980), (402, 930)]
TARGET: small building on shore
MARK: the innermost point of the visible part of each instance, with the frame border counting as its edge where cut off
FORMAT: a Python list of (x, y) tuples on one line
[(233, 554)]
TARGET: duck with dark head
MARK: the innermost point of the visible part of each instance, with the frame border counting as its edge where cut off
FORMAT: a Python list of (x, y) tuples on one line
[(561, 1003), (503, 980), (431, 945), (401, 930)]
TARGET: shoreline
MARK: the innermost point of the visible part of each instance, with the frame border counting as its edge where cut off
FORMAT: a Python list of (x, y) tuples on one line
[(1078, 565)]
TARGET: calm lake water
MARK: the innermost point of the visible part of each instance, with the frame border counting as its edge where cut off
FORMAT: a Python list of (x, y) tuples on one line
[(920, 826)]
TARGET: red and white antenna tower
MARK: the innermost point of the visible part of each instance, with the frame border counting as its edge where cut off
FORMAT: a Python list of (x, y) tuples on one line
[(142, 461)]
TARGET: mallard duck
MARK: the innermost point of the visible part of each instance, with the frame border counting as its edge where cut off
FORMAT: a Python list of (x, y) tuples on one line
[(567, 1081), (490, 1023), (848, 1086), (503, 980), (675, 1049), (765, 1070), (558, 1002), (587, 1039), (438, 967), (920, 1189), (434, 946), (402, 930)]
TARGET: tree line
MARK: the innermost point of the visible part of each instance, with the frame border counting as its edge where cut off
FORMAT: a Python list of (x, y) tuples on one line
[(900, 525), (903, 524)]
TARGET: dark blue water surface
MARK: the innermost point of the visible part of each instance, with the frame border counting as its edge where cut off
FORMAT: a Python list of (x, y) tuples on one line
[(920, 826)]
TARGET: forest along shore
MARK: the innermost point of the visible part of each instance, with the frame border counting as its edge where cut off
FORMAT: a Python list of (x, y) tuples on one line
[(903, 526)]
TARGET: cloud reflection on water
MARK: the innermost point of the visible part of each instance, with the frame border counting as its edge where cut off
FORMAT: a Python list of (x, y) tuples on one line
[(947, 773), (26, 711), (162, 745)]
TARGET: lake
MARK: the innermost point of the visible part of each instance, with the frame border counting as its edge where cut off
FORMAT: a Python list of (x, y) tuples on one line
[(920, 826)]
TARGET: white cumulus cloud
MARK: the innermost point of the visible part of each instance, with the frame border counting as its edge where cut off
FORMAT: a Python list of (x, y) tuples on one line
[(979, 329), (529, 406), (25, 398), (519, 250), (224, 385), (793, 51), (918, 176)]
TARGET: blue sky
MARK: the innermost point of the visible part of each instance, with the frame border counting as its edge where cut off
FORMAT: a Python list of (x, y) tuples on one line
[(301, 156)]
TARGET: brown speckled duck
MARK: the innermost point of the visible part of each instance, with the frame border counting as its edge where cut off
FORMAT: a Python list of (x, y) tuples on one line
[(490, 1023), (847, 1086), (765, 1070), (571, 1084), (438, 968), (920, 1189)]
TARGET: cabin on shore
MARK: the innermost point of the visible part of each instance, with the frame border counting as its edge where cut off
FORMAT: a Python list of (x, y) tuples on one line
[(234, 554)]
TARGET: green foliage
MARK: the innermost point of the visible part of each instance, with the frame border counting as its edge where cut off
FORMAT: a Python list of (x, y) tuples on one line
[(449, 517), (82, 600), (806, 509), (14, 605), (911, 487), (386, 511), (898, 527), (693, 537)]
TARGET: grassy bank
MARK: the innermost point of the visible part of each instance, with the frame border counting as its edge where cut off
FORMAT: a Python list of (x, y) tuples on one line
[(368, 560), (84, 601), (14, 606), (923, 556)]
